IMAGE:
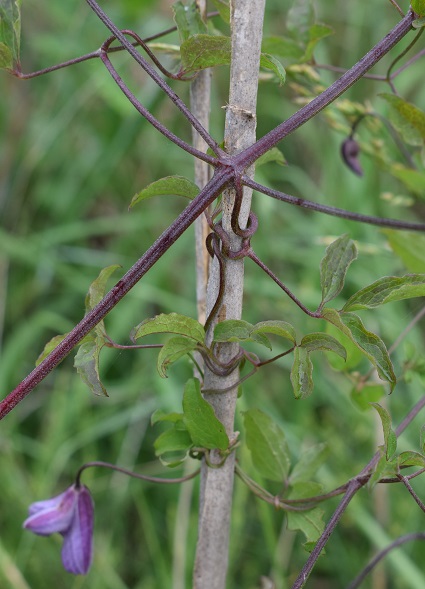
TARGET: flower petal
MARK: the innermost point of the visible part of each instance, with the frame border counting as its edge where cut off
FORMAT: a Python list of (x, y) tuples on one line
[(77, 550), (52, 515)]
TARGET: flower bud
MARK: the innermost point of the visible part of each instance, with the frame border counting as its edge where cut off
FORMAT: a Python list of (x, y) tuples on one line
[(349, 151)]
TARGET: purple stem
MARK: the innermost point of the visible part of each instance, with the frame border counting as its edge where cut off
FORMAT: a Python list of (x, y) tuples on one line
[(249, 155), (149, 117), (155, 77), (333, 211), (220, 179)]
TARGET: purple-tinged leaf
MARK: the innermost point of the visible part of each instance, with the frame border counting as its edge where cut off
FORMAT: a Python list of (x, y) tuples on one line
[(386, 290), (267, 444), (333, 267)]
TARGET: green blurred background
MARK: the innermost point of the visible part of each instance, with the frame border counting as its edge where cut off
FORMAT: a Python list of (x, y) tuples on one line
[(72, 154)]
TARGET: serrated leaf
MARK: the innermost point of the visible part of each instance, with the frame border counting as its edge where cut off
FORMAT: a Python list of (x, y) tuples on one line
[(309, 463), (410, 247), (366, 395), (390, 439), (418, 6), (168, 186), (172, 350), (86, 362), (324, 343), (160, 415), (269, 62), (386, 290), (202, 424), (188, 19), (273, 155), (97, 288), (170, 323), (411, 458), (223, 8), (10, 33), (238, 330), (172, 446), (334, 266), (408, 119), (369, 343), (302, 374), (267, 444)]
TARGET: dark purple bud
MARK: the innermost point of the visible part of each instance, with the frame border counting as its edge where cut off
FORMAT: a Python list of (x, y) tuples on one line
[(349, 151), (69, 514)]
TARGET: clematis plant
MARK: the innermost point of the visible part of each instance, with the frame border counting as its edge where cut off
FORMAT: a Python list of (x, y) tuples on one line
[(69, 514)]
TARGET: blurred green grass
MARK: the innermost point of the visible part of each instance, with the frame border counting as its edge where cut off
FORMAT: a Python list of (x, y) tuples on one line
[(72, 155)]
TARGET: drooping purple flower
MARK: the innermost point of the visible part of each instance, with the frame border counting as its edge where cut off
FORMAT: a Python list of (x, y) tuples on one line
[(69, 514), (350, 150)]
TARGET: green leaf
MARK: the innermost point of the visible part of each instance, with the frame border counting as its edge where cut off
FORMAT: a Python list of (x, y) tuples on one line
[(204, 51), (379, 470), (408, 119), (302, 374), (172, 350), (354, 354), (223, 8), (172, 446), (170, 185), (203, 426), (282, 47), (316, 33), (409, 246), (309, 522), (275, 327), (414, 180), (411, 458), (160, 415), (237, 330), (334, 266), (385, 290), (309, 463), (366, 395), (188, 19), (390, 439), (273, 155), (418, 6), (269, 62), (97, 288), (86, 362), (10, 33), (170, 323), (324, 343), (369, 343), (419, 23), (300, 18), (51, 345), (267, 444)]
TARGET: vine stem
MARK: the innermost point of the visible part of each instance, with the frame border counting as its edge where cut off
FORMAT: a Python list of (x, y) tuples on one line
[(228, 167)]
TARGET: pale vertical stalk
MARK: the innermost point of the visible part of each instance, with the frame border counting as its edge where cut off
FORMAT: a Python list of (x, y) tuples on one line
[(217, 483)]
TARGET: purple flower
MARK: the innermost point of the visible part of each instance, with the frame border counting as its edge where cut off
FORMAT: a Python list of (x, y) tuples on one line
[(69, 514)]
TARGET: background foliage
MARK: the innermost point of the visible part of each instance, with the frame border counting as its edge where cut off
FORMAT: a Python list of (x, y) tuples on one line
[(73, 153)]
